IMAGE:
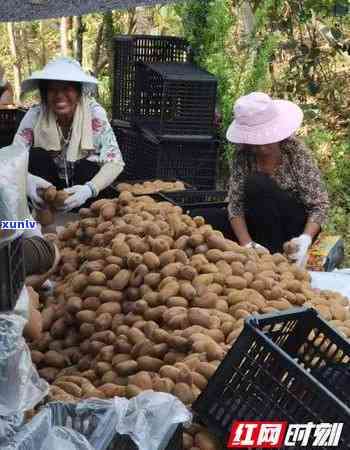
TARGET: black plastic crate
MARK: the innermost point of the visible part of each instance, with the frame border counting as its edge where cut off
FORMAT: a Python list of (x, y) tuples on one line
[(175, 99), (157, 196), (69, 415), (128, 50), (11, 117), (272, 372), (212, 205), (12, 273), (336, 377), (128, 141), (132, 182), (190, 199), (9, 121), (191, 160)]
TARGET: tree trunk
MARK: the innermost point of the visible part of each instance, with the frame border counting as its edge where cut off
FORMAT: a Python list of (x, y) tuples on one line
[(25, 37), (78, 27), (108, 39), (71, 36), (132, 20), (15, 60), (103, 62), (43, 56), (247, 17), (97, 50), (64, 37)]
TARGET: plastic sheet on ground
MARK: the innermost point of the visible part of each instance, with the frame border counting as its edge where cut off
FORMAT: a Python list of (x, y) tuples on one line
[(337, 281), (150, 419)]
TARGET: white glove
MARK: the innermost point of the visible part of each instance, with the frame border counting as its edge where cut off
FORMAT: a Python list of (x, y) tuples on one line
[(33, 184), (255, 246), (302, 243), (80, 193)]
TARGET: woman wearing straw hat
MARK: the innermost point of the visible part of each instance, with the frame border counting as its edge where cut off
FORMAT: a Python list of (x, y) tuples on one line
[(72, 145), (276, 192)]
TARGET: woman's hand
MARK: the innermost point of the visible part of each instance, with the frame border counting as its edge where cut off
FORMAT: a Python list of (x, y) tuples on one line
[(302, 244), (256, 246), (35, 183), (79, 195), (240, 230)]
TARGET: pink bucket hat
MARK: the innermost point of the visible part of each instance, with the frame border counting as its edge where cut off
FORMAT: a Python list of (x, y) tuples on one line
[(259, 120)]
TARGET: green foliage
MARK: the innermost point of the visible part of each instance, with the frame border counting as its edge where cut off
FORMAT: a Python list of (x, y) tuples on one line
[(194, 16), (104, 92), (167, 21), (338, 174), (333, 154), (258, 78), (241, 64), (208, 25)]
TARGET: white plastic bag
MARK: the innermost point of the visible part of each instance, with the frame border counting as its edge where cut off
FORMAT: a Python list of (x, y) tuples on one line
[(41, 433), (9, 426), (97, 416), (23, 304), (62, 438), (21, 388), (13, 188), (150, 418)]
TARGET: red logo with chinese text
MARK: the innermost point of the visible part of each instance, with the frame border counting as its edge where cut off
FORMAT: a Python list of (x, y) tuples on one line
[(247, 434)]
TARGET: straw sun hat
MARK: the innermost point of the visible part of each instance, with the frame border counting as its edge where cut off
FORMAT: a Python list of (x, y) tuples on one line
[(60, 69)]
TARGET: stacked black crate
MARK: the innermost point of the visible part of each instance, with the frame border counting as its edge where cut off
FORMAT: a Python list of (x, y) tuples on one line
[(10, 118), (174, 109), (128, 52)]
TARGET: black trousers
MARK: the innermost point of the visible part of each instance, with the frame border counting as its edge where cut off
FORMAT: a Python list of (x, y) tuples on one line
[(273, 215), (42, 165)]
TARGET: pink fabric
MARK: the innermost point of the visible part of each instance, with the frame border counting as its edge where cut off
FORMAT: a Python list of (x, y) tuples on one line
[(259, 120)]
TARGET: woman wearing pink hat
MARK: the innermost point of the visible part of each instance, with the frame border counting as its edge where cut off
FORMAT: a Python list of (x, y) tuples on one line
[(276, 191)]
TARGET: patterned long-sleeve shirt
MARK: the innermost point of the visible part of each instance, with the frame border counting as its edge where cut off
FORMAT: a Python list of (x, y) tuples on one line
[(297, 174), (105, 150)]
